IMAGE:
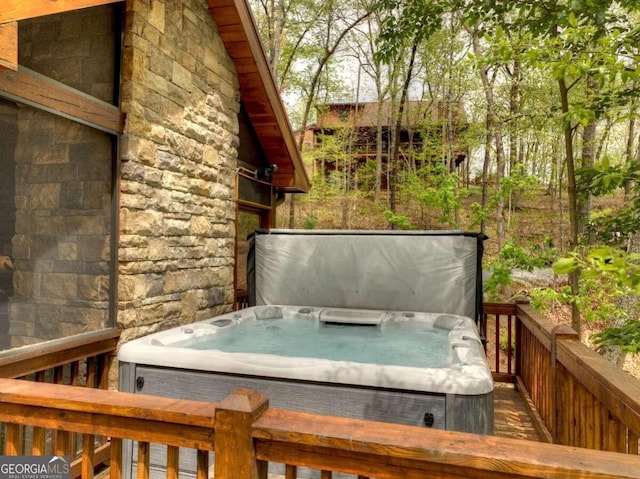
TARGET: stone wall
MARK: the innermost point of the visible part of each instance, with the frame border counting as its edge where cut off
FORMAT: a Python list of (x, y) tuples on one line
[(180, 94)]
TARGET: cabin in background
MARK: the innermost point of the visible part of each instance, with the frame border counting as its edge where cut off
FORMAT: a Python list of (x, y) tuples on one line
[(351, 136)]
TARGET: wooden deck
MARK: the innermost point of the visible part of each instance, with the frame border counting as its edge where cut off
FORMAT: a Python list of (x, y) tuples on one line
[(512, 417)]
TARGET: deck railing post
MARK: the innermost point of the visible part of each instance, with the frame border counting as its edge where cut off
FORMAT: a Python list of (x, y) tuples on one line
[(557, 333), (234, 450), (518, 338)]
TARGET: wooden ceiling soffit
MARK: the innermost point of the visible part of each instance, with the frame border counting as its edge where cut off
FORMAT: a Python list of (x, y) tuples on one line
[(286, 182), (9, 45), (15, 10), (259, 93), (34, 89)]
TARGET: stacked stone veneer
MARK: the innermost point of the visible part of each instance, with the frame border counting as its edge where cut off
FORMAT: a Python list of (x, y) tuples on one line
[(180, 94)]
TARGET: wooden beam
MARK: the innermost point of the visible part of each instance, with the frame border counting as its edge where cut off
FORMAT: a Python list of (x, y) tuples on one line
[(9, 45), (15, 10), (37, 90)]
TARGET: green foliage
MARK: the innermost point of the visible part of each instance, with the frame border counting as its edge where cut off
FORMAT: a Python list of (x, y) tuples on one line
[(627, 337), (445, 195), (607, 274), (608, 264), (478, 214), (399, 221), (622, 268), (500, 276), (434, 188), (405, 21), (310, 222), (504, 342), (509, 185), (543, 299), (367, 175), (596, 299), (605, 178), (613, 228), (512, 256)]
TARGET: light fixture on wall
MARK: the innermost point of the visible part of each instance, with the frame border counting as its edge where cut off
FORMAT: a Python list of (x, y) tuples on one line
[(267, 173), (247, 171)]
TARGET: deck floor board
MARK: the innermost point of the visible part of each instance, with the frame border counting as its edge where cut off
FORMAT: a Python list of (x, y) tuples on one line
[(511, 415)]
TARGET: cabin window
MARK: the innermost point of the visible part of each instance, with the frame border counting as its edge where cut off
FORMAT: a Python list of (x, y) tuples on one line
[(58, 178)]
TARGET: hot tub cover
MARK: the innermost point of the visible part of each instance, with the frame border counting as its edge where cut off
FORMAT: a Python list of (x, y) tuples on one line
[(429, 271)]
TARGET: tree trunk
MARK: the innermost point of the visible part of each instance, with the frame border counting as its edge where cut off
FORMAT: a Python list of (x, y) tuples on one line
[(494, 127), (378, 180), (485, 173), (395, 159), (585, 199), (572, 200), (292, 211), (631, 133)]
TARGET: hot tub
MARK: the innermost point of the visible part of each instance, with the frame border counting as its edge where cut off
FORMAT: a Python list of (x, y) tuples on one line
[(415, 368)]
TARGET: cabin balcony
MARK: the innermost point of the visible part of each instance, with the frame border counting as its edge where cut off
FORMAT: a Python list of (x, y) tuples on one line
[(560, 411)]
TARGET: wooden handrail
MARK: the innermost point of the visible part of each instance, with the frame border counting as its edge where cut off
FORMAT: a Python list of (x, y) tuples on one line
[(41, 357), (584, 400), (393, 450), (110, 413), (500, 308), (540, 326), (360, 447), (615, 389), (80, 360)]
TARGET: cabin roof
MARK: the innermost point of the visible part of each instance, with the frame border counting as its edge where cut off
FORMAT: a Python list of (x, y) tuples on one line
[(259, 93), (415, 113)]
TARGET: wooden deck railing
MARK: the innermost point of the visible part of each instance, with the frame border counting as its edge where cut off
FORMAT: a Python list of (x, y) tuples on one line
[(581, 399), (246, 435), (82, 361), (500, 346)]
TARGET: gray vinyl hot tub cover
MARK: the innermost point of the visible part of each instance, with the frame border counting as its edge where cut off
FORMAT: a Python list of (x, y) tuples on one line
[(430, 271)]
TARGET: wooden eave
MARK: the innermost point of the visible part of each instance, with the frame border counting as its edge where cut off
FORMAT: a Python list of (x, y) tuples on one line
[(259, 93)]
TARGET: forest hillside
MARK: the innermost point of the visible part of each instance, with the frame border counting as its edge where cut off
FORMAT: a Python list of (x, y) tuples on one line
[(534, 218), (537, 230)]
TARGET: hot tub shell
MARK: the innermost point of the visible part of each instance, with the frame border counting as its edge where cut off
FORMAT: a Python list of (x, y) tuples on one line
[(430, 274), (456, 396)]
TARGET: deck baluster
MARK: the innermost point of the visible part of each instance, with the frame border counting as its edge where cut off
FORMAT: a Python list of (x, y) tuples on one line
[(115, 460)]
